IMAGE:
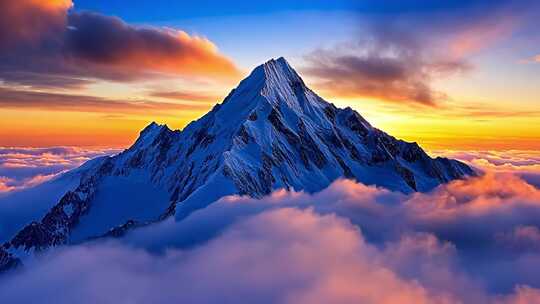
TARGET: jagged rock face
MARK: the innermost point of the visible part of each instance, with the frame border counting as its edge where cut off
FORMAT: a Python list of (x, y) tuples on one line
[(270, 132), (7, 260)]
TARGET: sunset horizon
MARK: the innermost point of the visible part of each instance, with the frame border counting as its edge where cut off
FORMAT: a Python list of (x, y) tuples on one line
[(282, 152)]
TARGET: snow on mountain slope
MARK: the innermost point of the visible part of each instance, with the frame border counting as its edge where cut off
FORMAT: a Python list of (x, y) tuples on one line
[(270, 132), (19, 208)]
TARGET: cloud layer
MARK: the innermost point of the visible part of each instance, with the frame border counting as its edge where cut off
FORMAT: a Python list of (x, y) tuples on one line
[(282, 256), (525, 164), (45, 44), (471, 241), (25, 167)]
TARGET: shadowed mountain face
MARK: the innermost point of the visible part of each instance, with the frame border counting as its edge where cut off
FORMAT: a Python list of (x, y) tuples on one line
[(270, 132)]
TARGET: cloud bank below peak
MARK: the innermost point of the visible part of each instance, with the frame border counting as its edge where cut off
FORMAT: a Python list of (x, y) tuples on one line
[(24, 167), (470, 241)]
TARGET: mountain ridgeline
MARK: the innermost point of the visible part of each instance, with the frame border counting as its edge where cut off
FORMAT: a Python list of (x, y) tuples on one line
[(270, 132)]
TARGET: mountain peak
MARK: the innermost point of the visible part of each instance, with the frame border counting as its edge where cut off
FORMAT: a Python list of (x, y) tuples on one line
[(278, 71), (273, 84), (271, 132), (279, 65), (273, 73), (151, 129), (149, 133)]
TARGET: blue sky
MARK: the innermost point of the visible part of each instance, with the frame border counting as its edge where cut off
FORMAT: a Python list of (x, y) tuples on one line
[(428, 71)]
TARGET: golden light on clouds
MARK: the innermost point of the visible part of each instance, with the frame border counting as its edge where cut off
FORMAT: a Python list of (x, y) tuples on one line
[(451, 126), (92, 79), (53, 4), (181, 54)]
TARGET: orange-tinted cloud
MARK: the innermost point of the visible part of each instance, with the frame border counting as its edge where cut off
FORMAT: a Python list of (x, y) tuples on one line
[(98, 39), (28, 21), (185, 95), (6, 184), (525, 164), (534, 59), (18, 99), (44, 39)]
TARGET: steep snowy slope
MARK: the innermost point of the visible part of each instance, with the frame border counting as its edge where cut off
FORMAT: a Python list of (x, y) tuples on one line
[(270, 132)]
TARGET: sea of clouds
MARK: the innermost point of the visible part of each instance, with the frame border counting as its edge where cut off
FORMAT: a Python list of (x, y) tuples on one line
[(470, 241), (23, 167)]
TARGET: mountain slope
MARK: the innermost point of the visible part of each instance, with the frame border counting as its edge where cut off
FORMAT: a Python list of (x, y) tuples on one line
[(270, 132)]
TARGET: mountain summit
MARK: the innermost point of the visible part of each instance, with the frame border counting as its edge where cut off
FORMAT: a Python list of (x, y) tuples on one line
[(270, 132)]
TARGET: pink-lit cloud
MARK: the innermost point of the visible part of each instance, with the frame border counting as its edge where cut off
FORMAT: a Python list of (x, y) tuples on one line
[(470, 241), (26, 167), (45, 44), (525, 164), (522, 295), (281, 256)]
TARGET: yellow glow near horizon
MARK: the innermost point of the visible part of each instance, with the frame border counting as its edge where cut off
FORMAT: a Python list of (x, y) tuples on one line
[(57, 128), (433, 128), (449, 129)]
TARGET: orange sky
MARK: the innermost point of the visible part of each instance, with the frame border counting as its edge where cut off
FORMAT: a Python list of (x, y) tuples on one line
[(432, 128), (90, 79)]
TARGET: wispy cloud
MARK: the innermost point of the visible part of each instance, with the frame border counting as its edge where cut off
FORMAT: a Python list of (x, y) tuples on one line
[(533, 59), (186, 95), (25, 99), (398, 57), (393, 70)]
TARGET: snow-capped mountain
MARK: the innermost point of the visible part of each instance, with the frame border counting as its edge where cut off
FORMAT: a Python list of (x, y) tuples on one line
[(270, 132)]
